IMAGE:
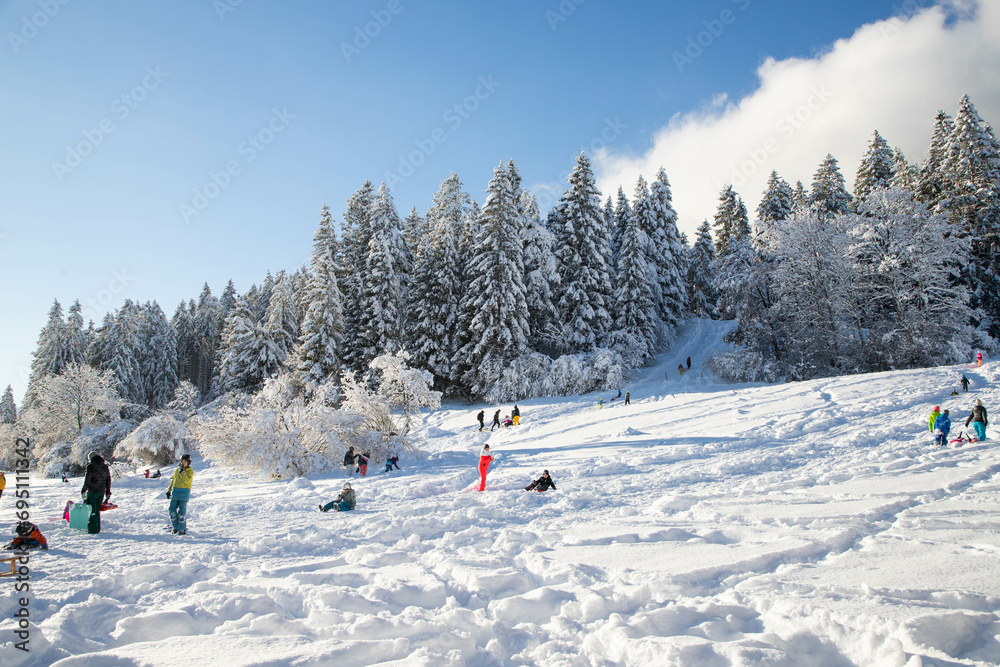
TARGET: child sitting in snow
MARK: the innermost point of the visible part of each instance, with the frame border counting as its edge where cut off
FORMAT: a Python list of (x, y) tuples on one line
[(507, 421), (390, 462), (28, 537), (343, 502), (543, 483)]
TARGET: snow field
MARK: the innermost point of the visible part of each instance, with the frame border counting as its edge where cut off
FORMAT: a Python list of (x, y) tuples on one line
[(704, 524)]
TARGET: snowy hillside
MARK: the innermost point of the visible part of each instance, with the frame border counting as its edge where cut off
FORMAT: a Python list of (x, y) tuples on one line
[(704, 524)]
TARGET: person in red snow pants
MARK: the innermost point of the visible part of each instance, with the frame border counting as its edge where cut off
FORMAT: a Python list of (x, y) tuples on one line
[(484, 465)]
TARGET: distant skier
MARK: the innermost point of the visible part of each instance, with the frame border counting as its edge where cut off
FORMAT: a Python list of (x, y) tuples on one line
[(496, 420), (349, 457), (626, 398), (344, 502), (178, 493), (979, 358), (391, 462), (942, 425), (965, 383), (516, 415), (96, 489), (979, 419), (689, 363), (485, 457), (934, 415), (543, 483), (482, 419)]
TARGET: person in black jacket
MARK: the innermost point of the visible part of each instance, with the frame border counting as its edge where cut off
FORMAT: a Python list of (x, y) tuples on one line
[(543, 483), (482, 419), (349, 461), (496, 420), (96, 489)]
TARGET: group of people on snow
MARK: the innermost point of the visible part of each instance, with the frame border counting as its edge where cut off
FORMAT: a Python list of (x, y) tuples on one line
[(513, 419), (939, 422)]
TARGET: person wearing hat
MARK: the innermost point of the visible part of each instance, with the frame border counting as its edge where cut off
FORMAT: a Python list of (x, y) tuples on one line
[(179, 492), (979, 419), (543, 483), (485, 458), (28, 537), (343, 502), (941, 428), (96, 490), (935, 413)]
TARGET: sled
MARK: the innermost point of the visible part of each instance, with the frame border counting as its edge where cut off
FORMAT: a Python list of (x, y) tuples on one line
[(8, 566), (79, 516), (108, 506)]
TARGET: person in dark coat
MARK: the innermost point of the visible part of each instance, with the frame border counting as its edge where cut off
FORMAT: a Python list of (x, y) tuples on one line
[(626, 398), (96, 489), (689, 363), (965, 383), (516, 415), (349, 461), (979, 419), (392, 461), (482, 419), (496, 420), (543, 483)]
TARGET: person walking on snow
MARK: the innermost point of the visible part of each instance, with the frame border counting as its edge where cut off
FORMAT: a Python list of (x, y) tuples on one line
[(941, 428), (485, 457), (344, 501), (543, 483), (178, 493), (482, 419), (965, 383), (979, 358), (689, 363), (979, 419), (363, 463), (626, 398), (496, 420), (349, 461), (96, 489), (680, 368), (934, 415), (600, 403), (516, 415)]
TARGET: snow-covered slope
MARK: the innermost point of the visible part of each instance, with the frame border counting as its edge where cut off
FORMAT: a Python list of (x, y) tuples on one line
[(704, 524)]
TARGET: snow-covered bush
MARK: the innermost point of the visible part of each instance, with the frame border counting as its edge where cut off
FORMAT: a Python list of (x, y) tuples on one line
[(71, 457), (743, 365), (524, 377), (582, 373), (399, 389), (275, 433), (158, 441), (185, 401)]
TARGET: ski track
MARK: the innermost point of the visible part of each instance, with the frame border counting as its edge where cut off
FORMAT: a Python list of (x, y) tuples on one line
[(704, 524)]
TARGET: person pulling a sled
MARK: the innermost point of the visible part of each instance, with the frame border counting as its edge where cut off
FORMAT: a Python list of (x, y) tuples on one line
[(28, 537), (96, 490), (979, 419), (178, 493), (344, 501), (543, 483), (941, 428)]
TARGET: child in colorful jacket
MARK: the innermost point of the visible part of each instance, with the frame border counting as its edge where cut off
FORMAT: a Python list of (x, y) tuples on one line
[(28, 537), (179, 492)]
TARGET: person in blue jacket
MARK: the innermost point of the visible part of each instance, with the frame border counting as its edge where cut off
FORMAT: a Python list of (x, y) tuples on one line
[(941, 427)]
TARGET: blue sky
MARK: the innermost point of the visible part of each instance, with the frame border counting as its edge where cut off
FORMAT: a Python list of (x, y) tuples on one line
[(151, 147)]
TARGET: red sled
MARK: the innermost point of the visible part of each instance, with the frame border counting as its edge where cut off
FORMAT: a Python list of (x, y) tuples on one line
[(962, 439), (108, 506)]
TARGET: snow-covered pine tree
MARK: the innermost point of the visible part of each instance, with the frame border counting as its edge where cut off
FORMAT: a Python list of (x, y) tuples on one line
[(634, 334), (702, 297), (540, 278), (322, 335), (243, 350), (351, 271), (730, 220), (262, 299), (208, 336), (415, 229), (499, 327), (118, 348), (187, 354), (467, 235), (932, 176), (8, 409), (876, 169), (436, 290), (582, 246), (828, 194), (801, 195), (621, 215), (972, 198), (777, 202), (905, 176), (48, 355), (383, 284), (615, 242), (159, 356), (75, 346), (226, 302), (670, 256), (281, 325)]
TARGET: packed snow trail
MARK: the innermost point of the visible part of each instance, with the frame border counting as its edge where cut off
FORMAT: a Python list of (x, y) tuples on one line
[(704, 524)]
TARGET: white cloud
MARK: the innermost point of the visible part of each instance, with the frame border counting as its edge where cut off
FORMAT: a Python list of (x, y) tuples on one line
[(892, 76)]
